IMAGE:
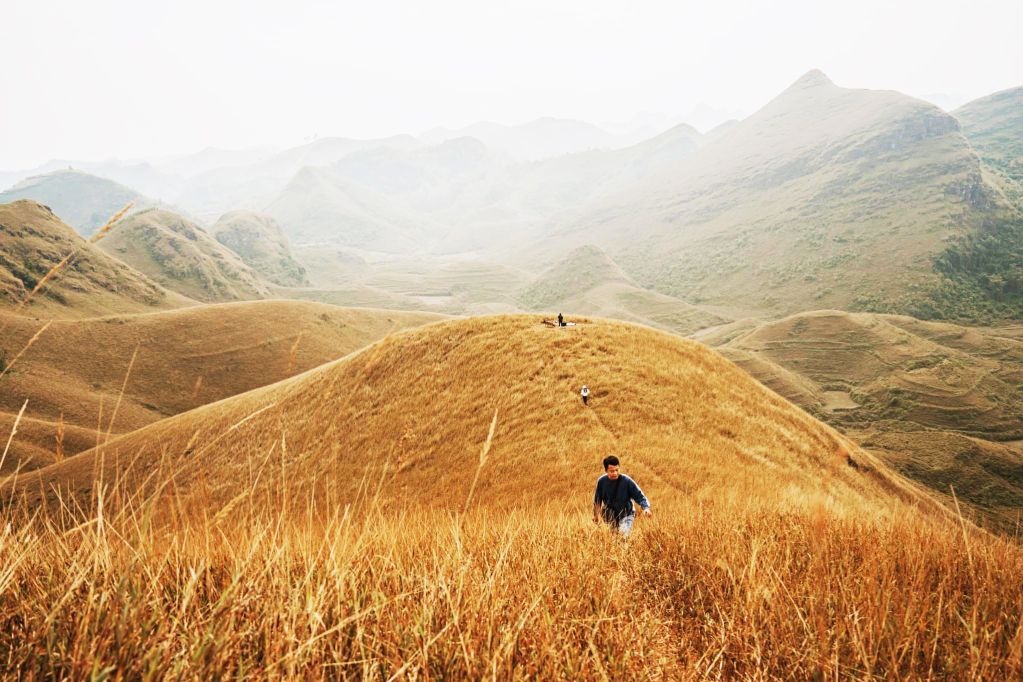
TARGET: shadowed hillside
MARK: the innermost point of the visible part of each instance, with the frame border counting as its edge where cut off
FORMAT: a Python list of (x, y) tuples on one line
[(423, 402), (799, 206), (185, 359), (261, 243), (33, 240), (83, 201), (183, 257), (588, 282)]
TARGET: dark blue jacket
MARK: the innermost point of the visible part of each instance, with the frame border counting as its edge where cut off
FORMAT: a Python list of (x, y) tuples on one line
[(620, 505)]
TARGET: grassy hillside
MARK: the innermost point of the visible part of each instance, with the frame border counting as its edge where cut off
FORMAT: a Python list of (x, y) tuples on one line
[(183, 257), (317, 207), (798, 206), (83, 201), (261, 243), (33, 240), (185, 359), (291, 537), (588, 282), (994, 126), (933, 384), (423, 402)]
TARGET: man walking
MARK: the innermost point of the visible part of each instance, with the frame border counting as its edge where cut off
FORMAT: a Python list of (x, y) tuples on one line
[(614, 496), (585, 393)]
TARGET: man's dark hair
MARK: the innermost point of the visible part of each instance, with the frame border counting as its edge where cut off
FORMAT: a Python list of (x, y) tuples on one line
[(610, 461)]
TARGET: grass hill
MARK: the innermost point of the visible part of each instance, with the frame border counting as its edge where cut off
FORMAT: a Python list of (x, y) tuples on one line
[(33, 240), (85, 202), (259, 241), (317, 207), (798, 206), (912, 387), (649, 403), (185, 359), (994, 126), (588, 282), (183, 257), (395, 535)]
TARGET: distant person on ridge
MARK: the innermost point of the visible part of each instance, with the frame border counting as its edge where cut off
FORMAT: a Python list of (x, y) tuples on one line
[(585, 393), (614, 496), (561, 320)]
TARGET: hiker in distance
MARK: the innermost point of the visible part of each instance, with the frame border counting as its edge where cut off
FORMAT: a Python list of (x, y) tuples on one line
[(561, 320), (614, 496), (585, 393)]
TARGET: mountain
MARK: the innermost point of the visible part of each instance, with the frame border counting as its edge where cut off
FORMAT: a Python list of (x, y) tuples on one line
[(587, 282), (647, 390), (316, 207), (907, 388), (482, 197), (798, 206), (85, 202), (538, 139), (214, 192), (261, 243), (33, 240), (994, 126), (183, 257), (182, 359), (210, 158)]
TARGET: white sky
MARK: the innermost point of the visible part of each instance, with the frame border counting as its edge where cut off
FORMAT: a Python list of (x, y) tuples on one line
[(87, 80)]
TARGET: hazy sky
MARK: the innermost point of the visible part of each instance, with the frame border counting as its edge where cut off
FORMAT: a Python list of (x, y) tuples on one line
[(90, 80)]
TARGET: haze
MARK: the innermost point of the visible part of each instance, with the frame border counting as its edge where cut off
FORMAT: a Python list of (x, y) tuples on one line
[(95, 80)]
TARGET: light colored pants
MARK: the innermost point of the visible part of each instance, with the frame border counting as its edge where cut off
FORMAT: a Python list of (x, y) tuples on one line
[(625, 526)]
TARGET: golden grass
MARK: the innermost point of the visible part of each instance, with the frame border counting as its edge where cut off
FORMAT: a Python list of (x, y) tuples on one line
[(269, 535), (722, 591)]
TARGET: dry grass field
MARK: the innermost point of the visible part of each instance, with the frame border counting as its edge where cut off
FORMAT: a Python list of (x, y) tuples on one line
[(344, 524)]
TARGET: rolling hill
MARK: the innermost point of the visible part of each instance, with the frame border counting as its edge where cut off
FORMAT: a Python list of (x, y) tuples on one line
[(340, 423), (83, 201), (797, 207), (588, 282), (182, 256), (33, 240), (923, 393), (317, 207), (261, 243), (185, 358)]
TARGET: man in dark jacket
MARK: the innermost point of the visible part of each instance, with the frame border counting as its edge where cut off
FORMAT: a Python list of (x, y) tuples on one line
[(614, 496)]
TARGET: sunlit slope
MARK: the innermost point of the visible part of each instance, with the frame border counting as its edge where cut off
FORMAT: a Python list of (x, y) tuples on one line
[(994, 126), (185, 358), (684, 420), (800, 206), (588, 282), (33, 240), (182, 256)]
